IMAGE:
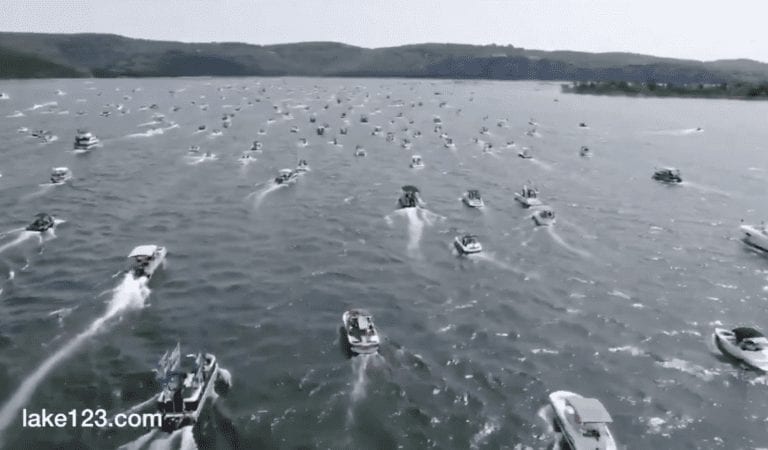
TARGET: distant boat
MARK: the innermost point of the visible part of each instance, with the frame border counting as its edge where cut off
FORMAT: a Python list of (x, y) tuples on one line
[(668, 175), (544, 217), (585, 152), (416, 162), (473, 199), (60, 175)]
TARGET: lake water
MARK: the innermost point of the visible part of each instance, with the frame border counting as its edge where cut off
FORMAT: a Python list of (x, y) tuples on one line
[(618, 300)]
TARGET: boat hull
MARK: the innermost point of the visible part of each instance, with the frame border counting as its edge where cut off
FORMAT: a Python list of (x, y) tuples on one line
[(726, 343), (570, 433), (755, 237), (359, 347)]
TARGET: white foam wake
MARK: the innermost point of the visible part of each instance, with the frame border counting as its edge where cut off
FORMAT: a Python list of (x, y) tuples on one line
[(20, 239), (261, 194), (130, 294)]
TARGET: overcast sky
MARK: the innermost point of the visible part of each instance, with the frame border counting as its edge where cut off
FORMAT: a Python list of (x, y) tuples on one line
[(704, 30)]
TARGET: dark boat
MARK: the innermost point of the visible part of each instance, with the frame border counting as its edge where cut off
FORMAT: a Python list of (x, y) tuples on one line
[(42, 223)]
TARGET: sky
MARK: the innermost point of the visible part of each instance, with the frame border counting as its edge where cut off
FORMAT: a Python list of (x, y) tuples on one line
[(703, 30)]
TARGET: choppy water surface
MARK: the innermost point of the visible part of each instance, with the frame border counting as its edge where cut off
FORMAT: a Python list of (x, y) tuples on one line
[(617, 300)]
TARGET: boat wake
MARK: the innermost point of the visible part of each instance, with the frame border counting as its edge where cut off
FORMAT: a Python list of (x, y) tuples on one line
[(130, 294), (706, 189), (259, 195), (23, 236), (44, 188), (417, 219), (556, 237), (491, 259), (541, 164), (547, 416), (360, 366), (149, 133)]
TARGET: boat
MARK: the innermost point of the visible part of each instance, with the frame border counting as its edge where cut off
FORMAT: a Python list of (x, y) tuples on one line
[(473, 199), (376, 131), (42, 223), (303, 142), (745, 344), (406, 144), (286, 176), (85, 140), (360, 151), (525, 153), (145, 259), (257, 146), (320, 131), (583, 421), (544, 217), (216, 132), (201, 128), (246, 158), (668, 175), (360, 331), (449, 143), (582, 125), (585, 151), (467, 244), (60, 175), (410, 197), (303, 166), (363, 119), (756, 236), (528, 196), (4, 96), (416, 162), (343, 131), (194, 149), (184, 389)]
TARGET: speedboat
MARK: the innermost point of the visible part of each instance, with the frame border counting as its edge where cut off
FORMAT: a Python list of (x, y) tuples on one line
[(360, 151), (528, 196), (544, 216), (343, 131), (745, 344), (303, 142), (406, 144), (467, 244), (525, 153), (582, 125), (59, 175), (303, 166), (194, 149), (363, 119), (320, 131), (257, 146), (201, 128), (294, 129), (585, 151), (756, 236), (416, 162), (286, 176), (473, 199), (145, 259), (410, 197), (449, 143), (376, 131), (42, 223), (360, 331), (668, 175), (184, 389), (85, 140), (583, 421)]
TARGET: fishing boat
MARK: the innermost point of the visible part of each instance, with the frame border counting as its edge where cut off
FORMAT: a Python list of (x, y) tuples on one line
[(60, 175), (467, 244), (361, 334), (668, 175), (85, 140), (756, 236), (257, 146), (473, 199), (583, 421), (186, 386), (745, 344), (145, 259)]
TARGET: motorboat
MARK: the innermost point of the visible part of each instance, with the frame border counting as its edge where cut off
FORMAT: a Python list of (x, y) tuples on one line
[(312, 118), (406, 144), (376, 131), (303, 142), (583, 421), (363, 119), (185, 387), (585, 152), (320, 131), (343, 131), (745, 344), (390, 137), (303, 166), (60, 175), (85, 140), (360, 331), (416, 162), (544, 216), (216, 132), (201, 128), (257, 146), (531, 132), (484, 130), (286, 176), (525, 153), (756, 236), (410, 197), (582, 125), (42, 223), (4, 96), (449, 143), (528, 196), (467, 244), (145, 259), (473, 199), (194, 149), (246, 158), (668, 175), (360, 151)]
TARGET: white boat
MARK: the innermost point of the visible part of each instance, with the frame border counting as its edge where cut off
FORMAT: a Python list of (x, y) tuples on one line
[(257, 146), (528, 196), (4, 96), (185, 390), (286, 176), (360, 332), (525, 153), (668, 175), (473, 199), (583, 421), (544, 216), (449, 143), (145, 259), (360, 151), (85, 140), (756, 236), (194, 149), (585, 151), (745, 344), (60, 175), (303, 166), (303, 142), (416, 162), (246, 158), (294, 129), (467, 244)]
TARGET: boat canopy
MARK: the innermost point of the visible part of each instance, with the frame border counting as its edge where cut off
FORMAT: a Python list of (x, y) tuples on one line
[(589, 410), (743, 333), (61, 170), (473, 193), (143, 250), (410, 188), (286, 171)]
